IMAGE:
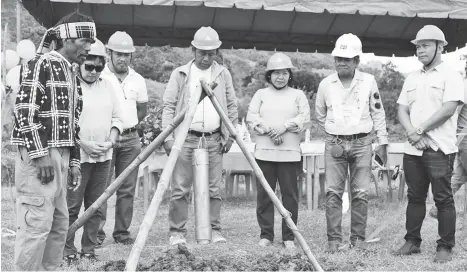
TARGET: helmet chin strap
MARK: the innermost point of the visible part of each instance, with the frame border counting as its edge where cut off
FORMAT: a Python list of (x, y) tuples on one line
[(278, 88), (436, 52)]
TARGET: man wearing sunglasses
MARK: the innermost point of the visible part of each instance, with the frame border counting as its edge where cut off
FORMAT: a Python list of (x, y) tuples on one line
[(130, 87)]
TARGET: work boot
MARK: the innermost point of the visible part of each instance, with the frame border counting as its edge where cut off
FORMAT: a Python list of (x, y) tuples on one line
[(433, 212), (71, 259), (333, 247), (443, 255), (264, 242), (217, 237), (125, 241), (408, 249), (177, 238)]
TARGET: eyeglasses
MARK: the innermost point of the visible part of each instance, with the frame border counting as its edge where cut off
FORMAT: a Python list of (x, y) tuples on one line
[(90, 68)]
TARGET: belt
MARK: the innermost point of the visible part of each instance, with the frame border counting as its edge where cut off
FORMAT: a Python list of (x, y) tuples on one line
[(128, 130), (350, 137), (200, 134)]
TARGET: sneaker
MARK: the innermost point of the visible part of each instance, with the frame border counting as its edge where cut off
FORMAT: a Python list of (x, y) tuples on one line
[(89, 256), (125, 241), (443, 255), (71, 259), (176, 239), (408, 249), (217, 237), (433, 212), (265, 242)]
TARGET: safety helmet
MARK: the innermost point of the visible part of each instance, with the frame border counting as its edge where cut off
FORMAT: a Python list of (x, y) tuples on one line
[(121, 42), (97, 49), (430, 32), (279, 61), (206, 38), (26, 49), (347, 46)]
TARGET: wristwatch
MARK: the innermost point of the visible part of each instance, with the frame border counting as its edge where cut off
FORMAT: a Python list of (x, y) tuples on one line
[(420, 131)]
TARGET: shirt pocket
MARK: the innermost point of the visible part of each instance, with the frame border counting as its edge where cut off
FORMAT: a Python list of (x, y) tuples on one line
[(411, 94), (436, 90), (131, 94)]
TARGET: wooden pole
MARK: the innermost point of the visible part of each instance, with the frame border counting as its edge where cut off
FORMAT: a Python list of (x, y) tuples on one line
[(18, 21), (5, 34), (285, 214), (119, 180), (309, 183), (166, 175)]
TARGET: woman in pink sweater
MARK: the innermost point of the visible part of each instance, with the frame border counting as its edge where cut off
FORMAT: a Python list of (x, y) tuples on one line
[(277, 114)]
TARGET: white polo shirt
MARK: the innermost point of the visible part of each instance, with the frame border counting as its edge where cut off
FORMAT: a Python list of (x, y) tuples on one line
[(424, 92), (130, 91)]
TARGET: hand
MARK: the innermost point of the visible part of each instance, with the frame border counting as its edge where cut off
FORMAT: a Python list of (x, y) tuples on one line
[(382, 152), (45, 170), (278, 131), (75, 181), (413, 137), (278, 140), (226, 147), (106, 145), (423, 144), (168, 146), (92, 148), (261, 129)]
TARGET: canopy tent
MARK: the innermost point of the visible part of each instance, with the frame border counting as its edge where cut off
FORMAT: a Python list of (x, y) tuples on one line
[(385, 26)]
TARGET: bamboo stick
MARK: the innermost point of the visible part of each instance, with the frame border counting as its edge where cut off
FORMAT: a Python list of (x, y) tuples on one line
[(119, 180), (151, 213), (285, 214)]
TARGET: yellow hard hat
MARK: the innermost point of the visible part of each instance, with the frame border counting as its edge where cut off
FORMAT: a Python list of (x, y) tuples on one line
[(97, 49), (430, 32), (206, 38), (347, 46), (121, 42), (279, 61)]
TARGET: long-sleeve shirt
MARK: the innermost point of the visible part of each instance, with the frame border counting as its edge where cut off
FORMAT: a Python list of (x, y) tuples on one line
[(48, 106), (102, 111), (354, 110), (273, 108)]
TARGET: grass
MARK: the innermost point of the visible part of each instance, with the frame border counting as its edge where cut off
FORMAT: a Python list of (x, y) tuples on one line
[(241, 229)]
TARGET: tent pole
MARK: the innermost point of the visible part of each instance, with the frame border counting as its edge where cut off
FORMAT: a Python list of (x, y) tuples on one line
[(259, 174), (166, 175)]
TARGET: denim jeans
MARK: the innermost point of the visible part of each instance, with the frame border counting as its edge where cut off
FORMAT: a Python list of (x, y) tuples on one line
[(459, 172), (93, 183), (42, 215), (286, 174), (127, 149), (436, 168), (182, 181), (356, 160)]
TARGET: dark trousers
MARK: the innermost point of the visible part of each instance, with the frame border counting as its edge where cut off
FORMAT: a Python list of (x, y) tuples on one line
[(128, 148), (93, 184), (286, 174), (436, 168)]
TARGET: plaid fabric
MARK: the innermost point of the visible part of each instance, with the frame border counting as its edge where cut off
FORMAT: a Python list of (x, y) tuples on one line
[(68, 31), (48, 106)]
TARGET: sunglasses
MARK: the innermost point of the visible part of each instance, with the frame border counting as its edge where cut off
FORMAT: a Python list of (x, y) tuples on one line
[(90, 68)]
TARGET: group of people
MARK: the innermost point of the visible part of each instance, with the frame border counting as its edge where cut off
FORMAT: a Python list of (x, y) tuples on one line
[(78, 106)]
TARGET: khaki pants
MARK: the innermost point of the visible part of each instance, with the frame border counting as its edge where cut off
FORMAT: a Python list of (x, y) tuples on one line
[(42, 218)]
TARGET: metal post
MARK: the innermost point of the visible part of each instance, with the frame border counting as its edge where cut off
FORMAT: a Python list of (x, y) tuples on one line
[(151, 213), (200, 162), (285, 214)]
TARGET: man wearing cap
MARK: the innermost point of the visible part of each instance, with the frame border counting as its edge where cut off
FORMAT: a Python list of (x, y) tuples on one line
[(47, 109), (348, 108), (428, 111), (130, 88), (206, 122)]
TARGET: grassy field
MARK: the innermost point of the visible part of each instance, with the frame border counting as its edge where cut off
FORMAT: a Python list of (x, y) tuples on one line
[(242, 232)]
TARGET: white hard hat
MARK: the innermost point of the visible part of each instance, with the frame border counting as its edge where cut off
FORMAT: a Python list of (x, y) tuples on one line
[(98, 49), (206, 38), (430, 32), (10, 58), (121, 42), (279, 61), (347, 46), (26, 49)]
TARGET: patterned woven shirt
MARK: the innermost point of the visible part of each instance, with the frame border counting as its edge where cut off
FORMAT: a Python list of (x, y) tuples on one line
[(48, 106)]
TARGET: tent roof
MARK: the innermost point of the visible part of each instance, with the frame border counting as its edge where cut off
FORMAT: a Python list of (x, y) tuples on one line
[(385, 26)]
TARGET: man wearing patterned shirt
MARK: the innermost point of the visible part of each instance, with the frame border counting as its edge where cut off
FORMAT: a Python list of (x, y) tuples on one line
[(47, 110)]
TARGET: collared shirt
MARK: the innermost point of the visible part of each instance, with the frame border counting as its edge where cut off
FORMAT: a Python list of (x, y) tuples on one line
[(462, 120), (206, 118), (101, 112), (424, 92), (48, 106), (354, 110), (130, 91)]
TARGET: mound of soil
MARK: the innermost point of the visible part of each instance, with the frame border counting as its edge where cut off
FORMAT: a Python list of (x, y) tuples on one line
[(180, 259)]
